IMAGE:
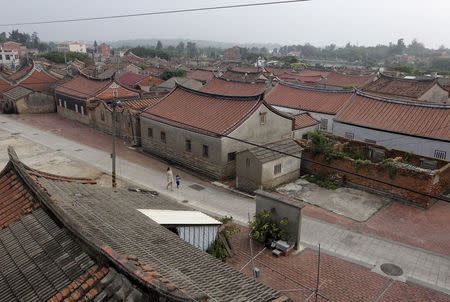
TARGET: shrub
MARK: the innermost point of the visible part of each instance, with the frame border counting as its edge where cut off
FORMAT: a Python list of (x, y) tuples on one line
[(390, 166), (263, 227), (360, 163), (322, 181), (219, 248)]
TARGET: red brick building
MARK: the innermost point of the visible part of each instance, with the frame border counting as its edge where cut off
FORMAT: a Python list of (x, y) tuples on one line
[(104, 50)]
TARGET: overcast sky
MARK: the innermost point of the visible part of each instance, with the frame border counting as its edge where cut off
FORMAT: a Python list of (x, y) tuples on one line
[(320, 22)]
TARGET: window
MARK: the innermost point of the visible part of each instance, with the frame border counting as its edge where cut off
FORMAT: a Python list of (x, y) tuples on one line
[(262, 118), (115, 93), (163, 136), (440, 154), (277, 169), (205, 151), (377, 154), (349, 135), (102, 115), (247, 162), (150, 132), (231, 156), (76, 108), (188, 145), (428, 164), (6, 57), (324, 124)]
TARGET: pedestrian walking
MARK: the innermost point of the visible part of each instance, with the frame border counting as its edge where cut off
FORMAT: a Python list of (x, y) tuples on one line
[(178, 180), (169, 175)]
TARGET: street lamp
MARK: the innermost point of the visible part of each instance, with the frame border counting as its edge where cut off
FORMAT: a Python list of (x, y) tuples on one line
[(114, 130)]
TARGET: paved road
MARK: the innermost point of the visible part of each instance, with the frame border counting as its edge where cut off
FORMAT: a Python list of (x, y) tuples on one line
[(419, 266)]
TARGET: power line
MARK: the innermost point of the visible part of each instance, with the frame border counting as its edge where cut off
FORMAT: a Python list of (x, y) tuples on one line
[(156, 13)]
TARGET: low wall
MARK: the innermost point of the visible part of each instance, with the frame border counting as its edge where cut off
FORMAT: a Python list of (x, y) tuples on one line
[(434, 182), (70, 114)]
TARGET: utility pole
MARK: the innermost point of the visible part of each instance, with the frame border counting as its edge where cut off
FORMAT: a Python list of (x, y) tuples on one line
[(114, 130)]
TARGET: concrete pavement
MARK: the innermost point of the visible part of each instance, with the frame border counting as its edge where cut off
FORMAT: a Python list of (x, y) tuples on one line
[(419, 266)]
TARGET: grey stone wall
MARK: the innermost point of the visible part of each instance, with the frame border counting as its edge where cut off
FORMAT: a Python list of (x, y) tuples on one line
[(36, 102), (284, 208), (70, 114), (248, 178)]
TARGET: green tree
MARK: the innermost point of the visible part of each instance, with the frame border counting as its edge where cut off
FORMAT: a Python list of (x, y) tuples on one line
[(2, 37), (159, 46), (180, 48), (191, 49)]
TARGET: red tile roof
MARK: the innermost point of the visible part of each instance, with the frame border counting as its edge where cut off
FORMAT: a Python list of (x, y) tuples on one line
[(4, 86), (224, 87), (82, 87), (248, 77), (312, 72), (203, 111), (308, 98), (409, 88), (150, 81), (304, 120), (15, 198), (302, 78), (340, 79), (399, 116), (38, 80), (130, 78), (200, 75), (20, 73), (122, 92), (141, 103)]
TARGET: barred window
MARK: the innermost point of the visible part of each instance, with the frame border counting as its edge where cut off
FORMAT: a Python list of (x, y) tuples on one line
[(231, 156), (205, 151), (324, 124), (150, 132), (440, 154), (163, 136), (277, 169), (349, 135), (188, 144)]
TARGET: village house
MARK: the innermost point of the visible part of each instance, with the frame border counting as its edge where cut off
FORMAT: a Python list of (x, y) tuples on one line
[(303, 124), (9, 58), (139, 81), (201, 75), (413, 127), (14, 47), (264, 169), (190, 128), (22, 100), (104, 50), (73, 97), (423, 90), (174, 81), (61, 241), (72, 46), (321, 104), (248, 76), (232, 54)]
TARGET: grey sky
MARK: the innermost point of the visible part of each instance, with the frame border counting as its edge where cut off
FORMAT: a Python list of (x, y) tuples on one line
[(320, 22)]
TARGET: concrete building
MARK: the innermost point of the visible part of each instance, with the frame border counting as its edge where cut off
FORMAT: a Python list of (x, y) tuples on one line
[(321, 104), (263, 169), (190, 128), (409, 126), (9, 58), (72, 46), (104, 50)]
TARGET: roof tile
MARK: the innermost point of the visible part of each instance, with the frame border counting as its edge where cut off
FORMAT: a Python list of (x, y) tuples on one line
[(224, 87)]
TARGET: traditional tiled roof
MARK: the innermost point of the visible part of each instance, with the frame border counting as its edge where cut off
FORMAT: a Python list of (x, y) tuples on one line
[(249, 77), (172, 83), (82, 87), (5, 85), (132, 58), (307, 98), (288, 146), (304, 120), (399, 116), (339, 79), (313, 72), (38, 80), (203, 111), (408, 88), (200, 75), (17, 93), (224, 87), (150, 80), (302, 78), (153, 70), (20, 73), (278, 71), (130, 78), (141, 104)]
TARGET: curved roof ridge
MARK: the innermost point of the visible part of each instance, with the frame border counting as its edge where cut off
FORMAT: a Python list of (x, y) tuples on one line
[(94, 78), (401, 102), (245, 72), (237, 81), (218, 96), (407, 80), (287, 84)]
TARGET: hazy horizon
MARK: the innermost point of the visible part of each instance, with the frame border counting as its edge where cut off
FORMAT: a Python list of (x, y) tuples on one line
[(318, 22)]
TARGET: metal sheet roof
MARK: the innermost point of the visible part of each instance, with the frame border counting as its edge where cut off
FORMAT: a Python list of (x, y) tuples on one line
[(179, 217)]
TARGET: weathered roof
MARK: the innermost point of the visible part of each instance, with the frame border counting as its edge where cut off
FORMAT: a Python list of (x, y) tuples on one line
[(288, 146), (5, 85), (308, 98), (141, 260), (150, 80), (203, 111), (38, 80), (410, 88), (172, 82), (200, 75), (20, 73), (140, 104), (130, 78), (301, 78), (17, 92), (249, 77), (304, 120), (225, 87), (82, 87), (343, 80), (313, 72), (399, 116)]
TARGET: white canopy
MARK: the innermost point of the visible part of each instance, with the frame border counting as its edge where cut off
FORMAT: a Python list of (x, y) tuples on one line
[(179, 217)]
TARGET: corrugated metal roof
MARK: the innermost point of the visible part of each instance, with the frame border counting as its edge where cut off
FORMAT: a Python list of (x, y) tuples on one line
[(179, 217)]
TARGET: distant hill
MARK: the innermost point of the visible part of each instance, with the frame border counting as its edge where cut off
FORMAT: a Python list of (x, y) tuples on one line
[(200, 43)]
